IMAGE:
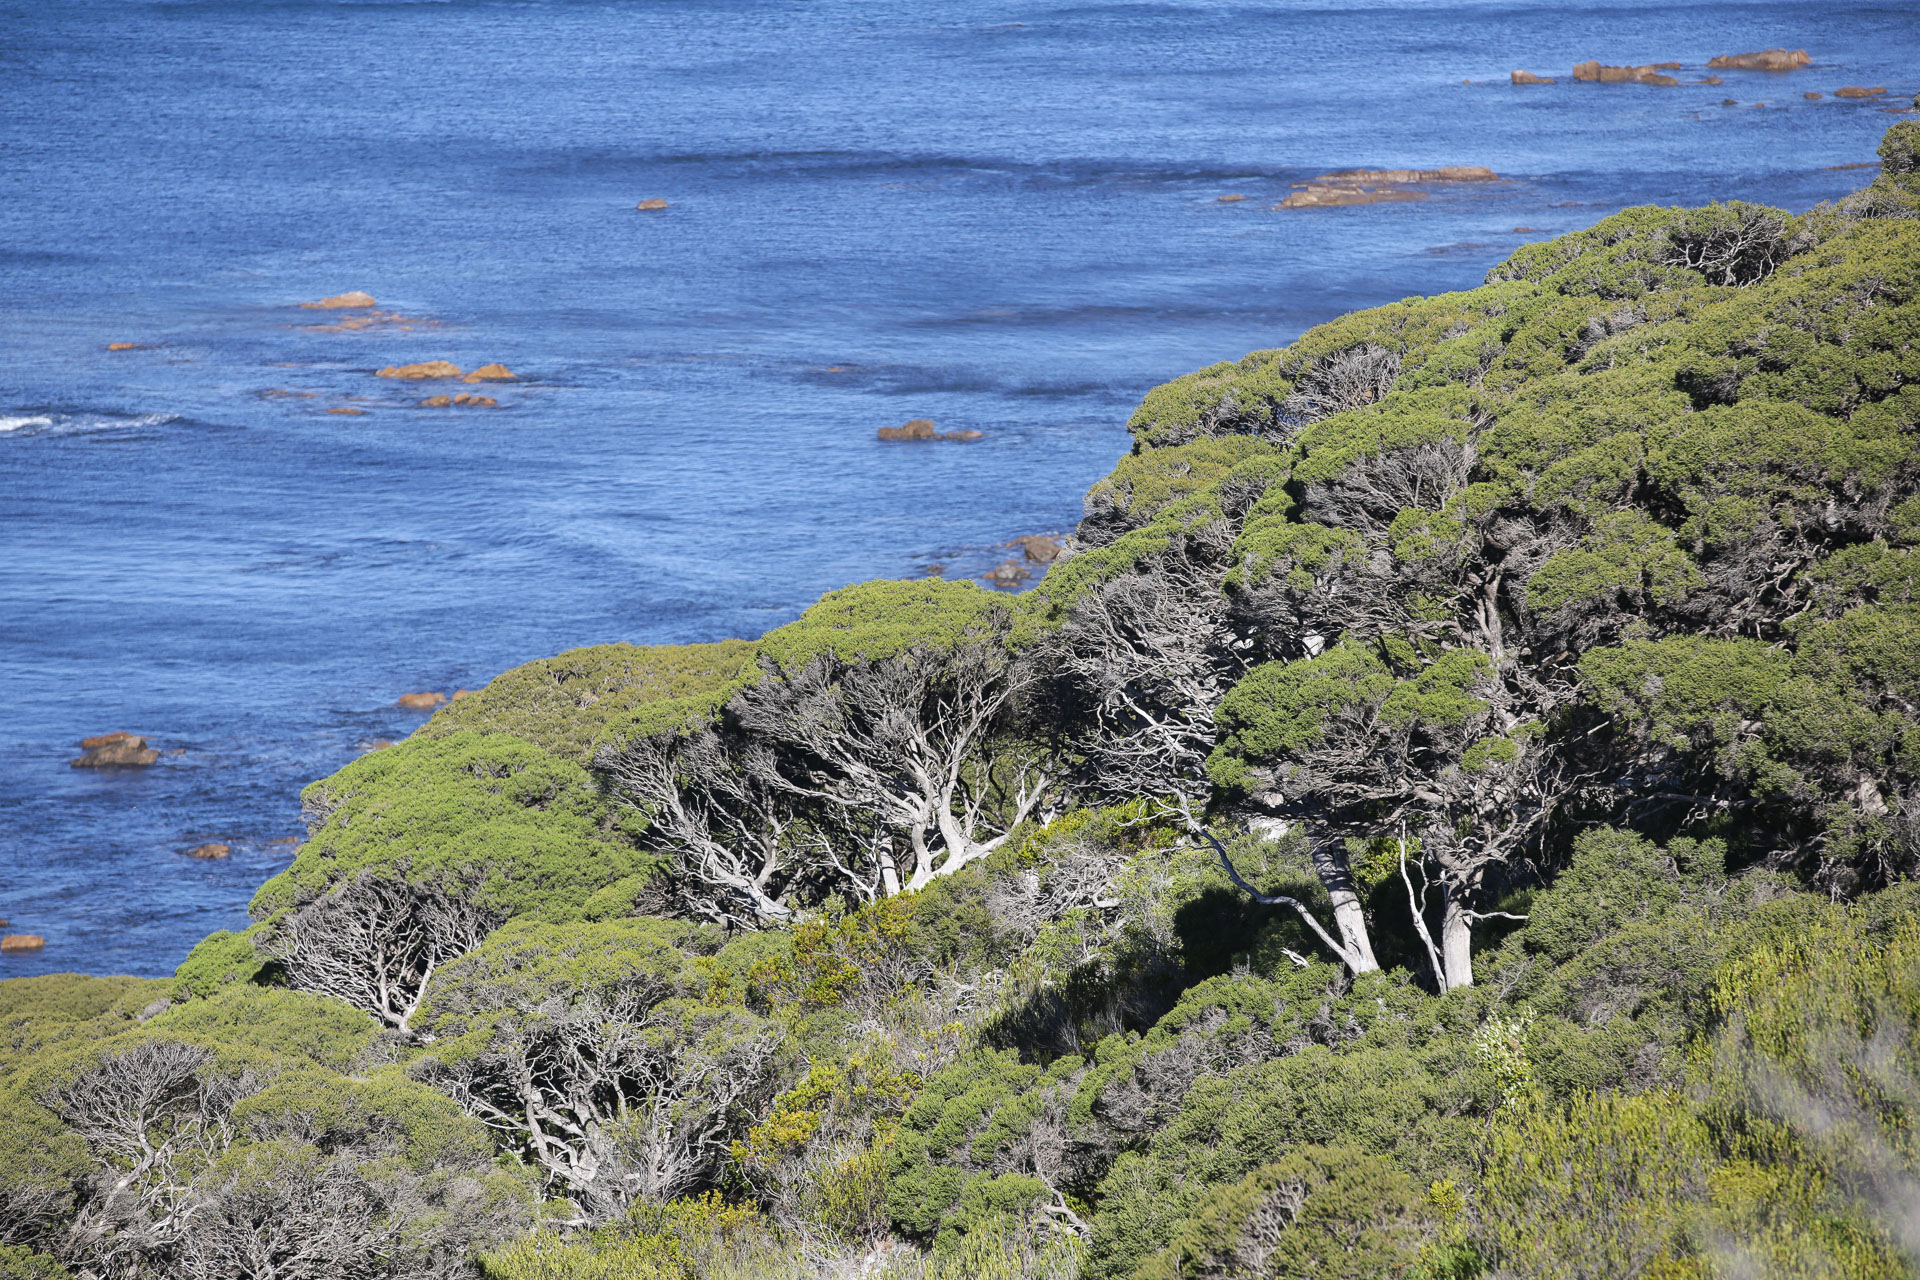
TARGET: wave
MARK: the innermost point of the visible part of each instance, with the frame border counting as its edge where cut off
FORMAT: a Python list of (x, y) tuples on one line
[(28, 423)]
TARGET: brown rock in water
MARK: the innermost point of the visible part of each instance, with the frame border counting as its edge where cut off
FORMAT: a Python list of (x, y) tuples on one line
[(923, 429), (1601, 73), (22, 942), (341, 302), (1447, 173), (933, 570), (460, 693), (1232, 199), (284, 840), (351, 413), (476, 402), (420, 701), (1855, 91), (1039, 548), (1762, 60), (123, 346), (1709, 80), (1315, 196), (1809, 95), (1728, 102), (490, 373), (648, 206), (208, 851), (1528, 231), (424, 370), (1006, 576), (380, 744), (114, 751), (1527, 77), (437, 402)]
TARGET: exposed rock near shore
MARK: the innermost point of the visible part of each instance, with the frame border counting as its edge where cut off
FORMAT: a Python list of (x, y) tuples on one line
[(1762, 60), (426, 369), (1039, 547), (341, 302), (1007, 576), (1378, 186), (490, 373), (649, 206), (464, 400), (923, 429), (114, 750), (420, 701), (1600, 73), (208, 851), (1527, 77), (1857, 91), (22, 942)]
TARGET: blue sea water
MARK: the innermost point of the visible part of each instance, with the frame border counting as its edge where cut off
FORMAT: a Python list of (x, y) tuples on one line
[(1003, 216)]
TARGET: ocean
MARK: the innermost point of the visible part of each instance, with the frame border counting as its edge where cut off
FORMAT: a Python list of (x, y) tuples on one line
[(1005, 217)]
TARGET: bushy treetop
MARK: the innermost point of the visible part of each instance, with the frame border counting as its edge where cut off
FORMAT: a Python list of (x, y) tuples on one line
[(486, 814), (573, 703)]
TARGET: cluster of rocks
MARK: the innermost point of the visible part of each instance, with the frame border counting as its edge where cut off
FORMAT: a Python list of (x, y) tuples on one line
[(114, 751), (1035, 548), (1655, 73), (367, 317), (22, 942), (923, 429), (436, 370), (462, 400), (428, 701), (1378, 186), (1600, 73)]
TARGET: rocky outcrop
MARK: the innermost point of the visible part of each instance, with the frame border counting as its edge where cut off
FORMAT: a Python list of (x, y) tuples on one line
[(1235, 198), (490, 373), (649, 206), (1527, 77), (463, 400), (114, 751), (923, 429), (1762, 60), (341, 302), (1856, 91), (208, 851), (126, 346), (1007, 576), (1039, 548), (350, 413), (426, 369), (1601, 73), (22, 942), (420, 701), (1378, 186)]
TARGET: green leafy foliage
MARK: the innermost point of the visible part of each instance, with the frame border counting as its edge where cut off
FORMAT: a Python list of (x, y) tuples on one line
[(572, 704), (490, 816)]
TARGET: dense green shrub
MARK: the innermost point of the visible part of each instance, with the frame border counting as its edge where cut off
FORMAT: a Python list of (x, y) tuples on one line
[(486, 816), (572, 704)]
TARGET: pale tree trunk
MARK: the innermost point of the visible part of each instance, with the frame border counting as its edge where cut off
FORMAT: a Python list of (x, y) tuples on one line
[(1456, 941), (1349, 917)]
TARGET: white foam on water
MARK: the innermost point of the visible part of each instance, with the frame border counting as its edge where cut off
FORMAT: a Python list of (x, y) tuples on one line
[(74, 423)]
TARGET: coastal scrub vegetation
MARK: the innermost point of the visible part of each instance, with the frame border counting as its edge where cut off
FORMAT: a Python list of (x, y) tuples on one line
[(1454, 812)]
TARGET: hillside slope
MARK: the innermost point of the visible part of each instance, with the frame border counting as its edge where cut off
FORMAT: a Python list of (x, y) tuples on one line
[(1455, 812)]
